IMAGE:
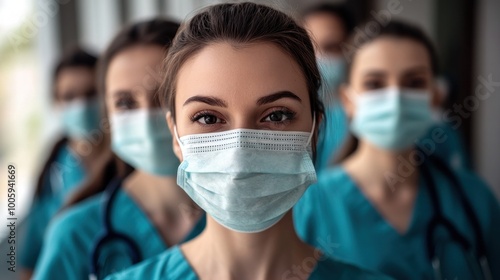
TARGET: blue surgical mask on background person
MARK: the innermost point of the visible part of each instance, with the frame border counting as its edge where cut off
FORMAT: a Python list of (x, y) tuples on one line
[(80, 117), (141, 138), (247, 180), (332, 71), (392, 118)]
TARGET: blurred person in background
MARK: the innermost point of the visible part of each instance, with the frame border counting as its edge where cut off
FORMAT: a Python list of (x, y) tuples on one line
[(329, 26), (391, 205), (75, 157), (143, 211)]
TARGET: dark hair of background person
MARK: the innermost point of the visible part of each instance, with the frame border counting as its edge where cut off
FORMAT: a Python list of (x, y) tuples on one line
[(339, 11), (394, 29), (156, 32), (72, 58), (241, 24)]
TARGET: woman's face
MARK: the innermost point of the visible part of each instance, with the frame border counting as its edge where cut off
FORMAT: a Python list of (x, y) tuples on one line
[(132, 79), (224, 87), (389, 62), (75, 83)]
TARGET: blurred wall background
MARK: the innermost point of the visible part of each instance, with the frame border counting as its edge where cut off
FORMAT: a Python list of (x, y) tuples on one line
[(34, 32)]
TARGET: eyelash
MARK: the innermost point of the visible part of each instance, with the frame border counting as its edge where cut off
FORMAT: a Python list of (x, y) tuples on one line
[(290, 115), (196, 117)]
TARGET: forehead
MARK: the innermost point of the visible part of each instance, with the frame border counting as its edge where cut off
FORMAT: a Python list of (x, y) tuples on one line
[(75, 77), (240, 73), (391, 53), (324, 24), (132, 66)]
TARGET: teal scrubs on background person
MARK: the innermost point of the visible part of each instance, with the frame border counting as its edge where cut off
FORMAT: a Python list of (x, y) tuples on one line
[(451, 149), (172, 265), (64, 175), (73, 234), (335, 216)]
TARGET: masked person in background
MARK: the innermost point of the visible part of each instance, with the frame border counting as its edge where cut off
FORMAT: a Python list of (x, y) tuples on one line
[(390, 206), (143, 211), (241, 86), (329, 26), (82, 151)]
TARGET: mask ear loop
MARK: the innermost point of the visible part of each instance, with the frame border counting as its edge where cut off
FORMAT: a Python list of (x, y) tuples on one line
[(312, 130), (177, 137)]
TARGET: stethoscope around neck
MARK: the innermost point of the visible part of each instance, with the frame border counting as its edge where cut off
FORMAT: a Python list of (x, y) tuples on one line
[(110, 235), (439, 220)]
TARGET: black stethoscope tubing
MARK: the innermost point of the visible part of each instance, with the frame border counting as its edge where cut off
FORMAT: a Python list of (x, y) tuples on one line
[(440, 220), (110, 234)]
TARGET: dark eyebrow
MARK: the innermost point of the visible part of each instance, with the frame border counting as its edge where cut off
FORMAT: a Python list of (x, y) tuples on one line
[(210, 100), (416, 70), (277, 95), (375, 73)]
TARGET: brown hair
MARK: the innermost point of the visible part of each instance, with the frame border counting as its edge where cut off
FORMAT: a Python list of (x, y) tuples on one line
[(394, 29), (240, 24), (156, 32)]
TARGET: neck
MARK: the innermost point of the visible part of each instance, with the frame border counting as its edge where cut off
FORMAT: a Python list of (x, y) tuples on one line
[(167, 206), (86, 151), (271, 254), (383, 170), (155, 193)]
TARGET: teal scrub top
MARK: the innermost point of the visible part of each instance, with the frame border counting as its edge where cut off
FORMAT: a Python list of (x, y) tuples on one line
[(64, 175), (71, 237), (172, 265), (335, 216), (449, 145)]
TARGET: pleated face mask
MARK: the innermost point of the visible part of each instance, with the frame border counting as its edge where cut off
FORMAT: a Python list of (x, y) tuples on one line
[(392, 118), (246, 179), (81, 117)]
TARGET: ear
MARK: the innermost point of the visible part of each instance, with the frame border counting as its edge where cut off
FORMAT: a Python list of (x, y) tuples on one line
[(437, 96), (175, 143), (347, 100)]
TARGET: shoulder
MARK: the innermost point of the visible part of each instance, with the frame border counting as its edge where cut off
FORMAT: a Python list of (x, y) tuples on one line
[(328, 267), (476, 189), (480, 195), (332, 180), (170, 264)]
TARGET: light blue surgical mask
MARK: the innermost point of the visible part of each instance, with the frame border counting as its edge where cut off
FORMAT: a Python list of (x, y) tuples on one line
[(81, 117), (392, 118), (247, 180), (332, 70), (141, 138)]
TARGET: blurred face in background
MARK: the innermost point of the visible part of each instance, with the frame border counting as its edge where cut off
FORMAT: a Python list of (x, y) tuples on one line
[(389, 62), (75, 83), (131, 80), (390, 93), (327, 31)]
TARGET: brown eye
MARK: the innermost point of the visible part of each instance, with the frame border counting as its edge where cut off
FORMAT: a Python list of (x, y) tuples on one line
[(125, 103), (279, 116), (206, 119), (209, 119), (373, 84), (416, 83)]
